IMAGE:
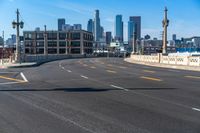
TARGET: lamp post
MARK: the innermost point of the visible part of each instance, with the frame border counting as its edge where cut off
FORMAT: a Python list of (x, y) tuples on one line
[(165, 23), (17, 25), (3, 48)]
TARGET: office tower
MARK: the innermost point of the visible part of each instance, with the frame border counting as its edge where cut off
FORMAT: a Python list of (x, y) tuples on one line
[(90, 26), (97, 26), (119, 28), (137, 24), (61, 22), (101, 32), (174, 37), (108, 37), (131, 30), (77, 27)]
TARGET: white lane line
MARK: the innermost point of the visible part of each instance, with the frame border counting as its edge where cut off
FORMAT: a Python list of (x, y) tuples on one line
[(84, 77), (196, 109), (69, 71), (121, 88), (63, 68), (24, 78), (9, 83)]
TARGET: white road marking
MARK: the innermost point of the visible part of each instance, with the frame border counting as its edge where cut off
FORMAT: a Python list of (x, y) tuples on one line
[(84, 77), (121, 88), (196, 109), (9, 83), (69, 71), (24, 78)]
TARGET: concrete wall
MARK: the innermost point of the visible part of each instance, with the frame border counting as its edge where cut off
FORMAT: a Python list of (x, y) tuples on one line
[(174, 60)]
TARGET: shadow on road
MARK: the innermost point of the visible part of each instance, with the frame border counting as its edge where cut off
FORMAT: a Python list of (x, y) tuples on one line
[(78, 89), (57, 90)]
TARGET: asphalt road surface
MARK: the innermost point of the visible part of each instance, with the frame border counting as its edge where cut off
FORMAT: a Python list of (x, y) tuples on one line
[(100, 95)]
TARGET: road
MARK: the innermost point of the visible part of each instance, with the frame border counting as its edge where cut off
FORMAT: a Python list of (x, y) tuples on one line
[(99, 95)]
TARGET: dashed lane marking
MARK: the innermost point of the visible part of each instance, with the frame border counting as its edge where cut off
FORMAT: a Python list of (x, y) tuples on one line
[(85, 65), (148, 71), (196, 109), (110, 71), (122, 67), (84, 77), (118, 87), (93, 67), (69, 71), (192, 77), (150, 78)]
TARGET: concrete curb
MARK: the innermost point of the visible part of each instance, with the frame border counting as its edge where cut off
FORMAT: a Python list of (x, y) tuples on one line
[(180, 67)]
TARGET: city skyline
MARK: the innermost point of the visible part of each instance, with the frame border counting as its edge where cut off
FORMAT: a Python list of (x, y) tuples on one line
[(34, 15)]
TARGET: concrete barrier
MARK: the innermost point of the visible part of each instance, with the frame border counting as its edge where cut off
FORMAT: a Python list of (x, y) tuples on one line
[(173, 60)]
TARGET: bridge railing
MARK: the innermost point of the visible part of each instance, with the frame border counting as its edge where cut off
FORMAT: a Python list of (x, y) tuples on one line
[(174, 60)]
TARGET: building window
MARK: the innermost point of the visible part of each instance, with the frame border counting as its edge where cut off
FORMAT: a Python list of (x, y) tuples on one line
[(75, 44), (62, 44), (52, 44), (52, 51), (76, 36), (62, 51), (52, 36), (75, 51), (62, 36), (40, 36), (40, 51), (40, 44)]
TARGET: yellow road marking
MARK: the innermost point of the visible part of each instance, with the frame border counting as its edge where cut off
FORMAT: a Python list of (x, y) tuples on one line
[(150, 78), (148, 71), (193, 77), (12, 79), (93, 67), (110, 71)]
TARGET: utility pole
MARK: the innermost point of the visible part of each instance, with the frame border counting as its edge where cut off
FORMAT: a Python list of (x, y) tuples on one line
[(3, 48), (165, 23), (17, 25), (45, 40)]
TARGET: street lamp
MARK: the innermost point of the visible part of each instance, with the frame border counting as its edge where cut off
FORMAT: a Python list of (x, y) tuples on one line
[(17, 25)]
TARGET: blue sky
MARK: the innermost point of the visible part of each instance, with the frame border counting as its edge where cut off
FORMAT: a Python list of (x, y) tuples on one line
[(184, 15)]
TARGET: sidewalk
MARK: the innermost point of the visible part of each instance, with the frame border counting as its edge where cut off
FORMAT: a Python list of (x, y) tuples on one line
[(18, 65), (172, 66)]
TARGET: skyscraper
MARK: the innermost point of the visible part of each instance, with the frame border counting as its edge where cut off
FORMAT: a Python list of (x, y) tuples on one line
[(90, 26), (108, 37), (119, 28), (97, 26), (137, 24), (61, 22), (131, 29), (174, 37)]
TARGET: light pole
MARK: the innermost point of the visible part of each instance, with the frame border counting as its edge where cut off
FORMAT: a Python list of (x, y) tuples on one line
[(3, 48), (165, 23), (17, 25)]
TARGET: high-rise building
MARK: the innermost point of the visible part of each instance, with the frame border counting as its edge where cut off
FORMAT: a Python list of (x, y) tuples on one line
[(108, 37), (174, 37), (119, 28), (67, 27), (97, 26), (137, 24), (131, 30), (90, 26), (101, 32), (77, 27), (61, 22)]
